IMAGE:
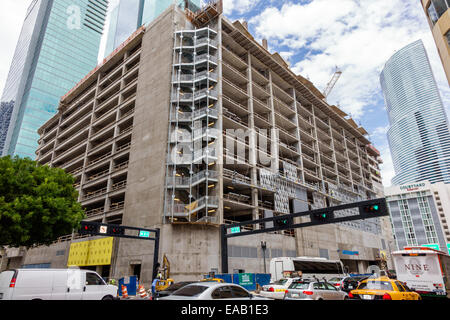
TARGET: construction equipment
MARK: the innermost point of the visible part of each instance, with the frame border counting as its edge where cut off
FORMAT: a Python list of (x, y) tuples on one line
[(164, 273), (337, 74)]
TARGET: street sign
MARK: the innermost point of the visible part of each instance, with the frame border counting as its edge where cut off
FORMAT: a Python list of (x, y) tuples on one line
[(103, 229), (144, 234), (235, 230), (245, 279)]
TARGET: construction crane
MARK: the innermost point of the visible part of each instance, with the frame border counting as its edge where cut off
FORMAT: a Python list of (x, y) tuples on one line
[(337, 74)]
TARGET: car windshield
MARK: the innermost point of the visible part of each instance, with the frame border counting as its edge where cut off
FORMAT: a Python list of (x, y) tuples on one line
[(190, 291), (376, 285), (335, 280), (280, 282), (299, 285)]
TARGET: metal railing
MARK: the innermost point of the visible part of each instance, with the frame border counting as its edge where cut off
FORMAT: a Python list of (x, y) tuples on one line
[(189, 180)]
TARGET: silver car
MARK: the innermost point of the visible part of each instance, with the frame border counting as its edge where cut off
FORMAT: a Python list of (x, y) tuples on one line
[(313, 290), (212, 291)]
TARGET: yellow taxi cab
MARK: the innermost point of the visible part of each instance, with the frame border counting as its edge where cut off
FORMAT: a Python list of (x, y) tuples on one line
[(383, 288), (213, 280)]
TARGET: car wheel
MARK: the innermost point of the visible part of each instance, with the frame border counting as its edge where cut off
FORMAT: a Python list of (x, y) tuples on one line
[(107, 298)]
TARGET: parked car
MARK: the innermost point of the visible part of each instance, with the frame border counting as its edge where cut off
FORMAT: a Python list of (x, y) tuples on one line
[(313, 290), (172, 288), (383, 288), (346, 284), (276, 290), (54, 284), (212, 291)]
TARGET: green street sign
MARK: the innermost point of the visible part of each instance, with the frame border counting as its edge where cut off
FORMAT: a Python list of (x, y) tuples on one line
[(144, 234), (235, 230), (245, 279)]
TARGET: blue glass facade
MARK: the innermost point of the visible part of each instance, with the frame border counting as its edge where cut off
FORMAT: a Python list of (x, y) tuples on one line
[(58, 46), (129, 15), (419, 136)]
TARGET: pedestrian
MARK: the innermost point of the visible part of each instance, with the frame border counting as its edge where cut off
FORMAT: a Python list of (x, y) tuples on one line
[(154, 283)]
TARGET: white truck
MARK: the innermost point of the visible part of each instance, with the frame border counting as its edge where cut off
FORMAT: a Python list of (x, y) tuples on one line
[(424, 270)]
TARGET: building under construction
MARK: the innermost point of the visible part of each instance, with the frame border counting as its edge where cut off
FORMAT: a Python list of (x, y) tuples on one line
[(192, 123)]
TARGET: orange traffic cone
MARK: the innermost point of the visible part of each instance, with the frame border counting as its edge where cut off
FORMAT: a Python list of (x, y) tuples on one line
[(142, 292), (124, 292)]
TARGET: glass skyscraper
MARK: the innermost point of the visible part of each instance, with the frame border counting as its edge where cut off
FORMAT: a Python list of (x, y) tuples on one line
[(129, 15), (57, 47), (419, 136)]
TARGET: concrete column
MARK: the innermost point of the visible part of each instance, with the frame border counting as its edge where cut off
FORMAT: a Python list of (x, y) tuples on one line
[(252, 141), (275, 139)]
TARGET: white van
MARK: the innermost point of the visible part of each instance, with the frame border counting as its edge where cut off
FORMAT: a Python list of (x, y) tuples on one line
[(54, 284)]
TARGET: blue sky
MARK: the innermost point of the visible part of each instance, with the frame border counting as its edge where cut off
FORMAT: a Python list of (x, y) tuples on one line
[(314, 36), (358, 36)]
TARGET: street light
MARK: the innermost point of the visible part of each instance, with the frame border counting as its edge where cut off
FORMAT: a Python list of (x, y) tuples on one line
[(263, 247)]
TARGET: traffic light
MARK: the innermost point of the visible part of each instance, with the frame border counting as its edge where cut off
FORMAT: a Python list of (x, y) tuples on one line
[(322, 216), (283, 221), (116, 230), (89, 227), (373, 207)]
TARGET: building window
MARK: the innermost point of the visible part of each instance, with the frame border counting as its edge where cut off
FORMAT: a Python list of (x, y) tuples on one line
[(427, 220), (407, 223), (437, 8)]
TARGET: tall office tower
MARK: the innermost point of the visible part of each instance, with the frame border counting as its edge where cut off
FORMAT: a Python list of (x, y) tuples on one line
[(191, 124), (129, 15), (438, 15), (57, 47), (419, 136)]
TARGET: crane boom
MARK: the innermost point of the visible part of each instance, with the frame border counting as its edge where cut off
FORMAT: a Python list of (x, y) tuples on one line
[(337, 74)]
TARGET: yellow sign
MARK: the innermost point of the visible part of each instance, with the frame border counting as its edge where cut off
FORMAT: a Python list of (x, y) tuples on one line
[(91, 253)]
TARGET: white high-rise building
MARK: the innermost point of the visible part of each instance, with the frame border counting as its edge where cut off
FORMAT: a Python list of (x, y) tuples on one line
[(419, 134)]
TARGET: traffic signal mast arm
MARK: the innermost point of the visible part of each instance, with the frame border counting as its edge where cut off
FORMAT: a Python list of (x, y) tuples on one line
[(104, 229), (367, 209)]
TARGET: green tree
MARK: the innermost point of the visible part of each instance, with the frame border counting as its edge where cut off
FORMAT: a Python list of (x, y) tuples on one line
[(38, 203)]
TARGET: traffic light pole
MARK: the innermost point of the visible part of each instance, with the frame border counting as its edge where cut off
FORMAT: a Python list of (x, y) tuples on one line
[(118, 231), (367, 209)]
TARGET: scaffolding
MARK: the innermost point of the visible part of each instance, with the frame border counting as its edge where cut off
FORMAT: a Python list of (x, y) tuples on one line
[(191, 170), (211, 10)]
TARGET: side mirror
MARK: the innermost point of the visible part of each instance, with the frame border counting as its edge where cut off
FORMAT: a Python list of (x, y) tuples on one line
[(251, 296)]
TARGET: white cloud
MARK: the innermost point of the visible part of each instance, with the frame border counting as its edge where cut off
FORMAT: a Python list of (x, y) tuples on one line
[(387, 168), (380, 131), (358, 36), (238, 6)]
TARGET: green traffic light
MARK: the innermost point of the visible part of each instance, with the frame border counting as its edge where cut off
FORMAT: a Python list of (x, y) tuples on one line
[(324, 215), (375, 207)]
